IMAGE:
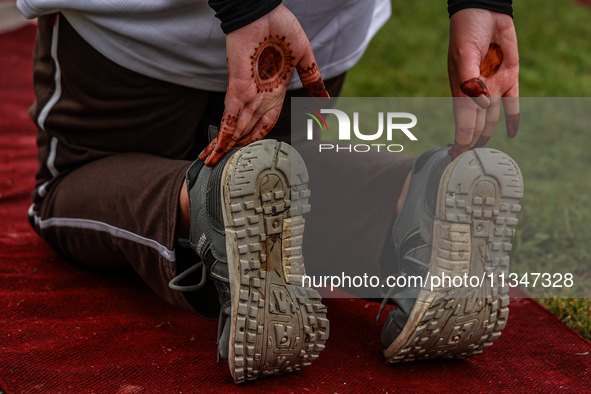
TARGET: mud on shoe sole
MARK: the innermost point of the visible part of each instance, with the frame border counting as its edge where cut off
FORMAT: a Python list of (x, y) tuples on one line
[(476, 212), (277, 325)]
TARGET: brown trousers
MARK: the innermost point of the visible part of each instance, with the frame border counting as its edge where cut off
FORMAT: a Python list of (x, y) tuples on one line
[(114, 146)]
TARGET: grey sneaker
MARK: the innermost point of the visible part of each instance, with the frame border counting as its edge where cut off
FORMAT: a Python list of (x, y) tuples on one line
[(247, 227), (458, 218)]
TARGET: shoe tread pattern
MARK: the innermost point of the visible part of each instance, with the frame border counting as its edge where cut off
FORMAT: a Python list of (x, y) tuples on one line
[(478, 203), (279, 326)]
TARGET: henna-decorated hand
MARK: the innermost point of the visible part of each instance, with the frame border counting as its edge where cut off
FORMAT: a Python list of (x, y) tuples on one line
[(483, 63), (261, 60)]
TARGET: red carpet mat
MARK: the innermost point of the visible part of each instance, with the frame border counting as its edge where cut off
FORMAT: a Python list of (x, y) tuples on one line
[(69, 329)]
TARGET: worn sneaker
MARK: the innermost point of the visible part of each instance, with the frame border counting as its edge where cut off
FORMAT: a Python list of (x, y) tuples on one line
[(247, 227), (457, 221)]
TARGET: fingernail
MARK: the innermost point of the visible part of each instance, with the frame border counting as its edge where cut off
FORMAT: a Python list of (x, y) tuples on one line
[(481, 143), (512, 124), (482, 101), (458, 149), (477, 90), (316, 89), (202, 155), (321, 99)]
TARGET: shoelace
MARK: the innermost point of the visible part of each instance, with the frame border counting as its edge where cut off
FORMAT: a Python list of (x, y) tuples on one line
[(173, 284)]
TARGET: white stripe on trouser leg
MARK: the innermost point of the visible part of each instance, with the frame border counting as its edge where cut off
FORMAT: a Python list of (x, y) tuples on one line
[(50, 163), (95, 225), (51, 157), (42, 189), (57, 77)]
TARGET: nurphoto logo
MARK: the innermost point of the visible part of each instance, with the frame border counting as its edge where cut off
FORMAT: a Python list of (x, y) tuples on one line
[(395, 126)]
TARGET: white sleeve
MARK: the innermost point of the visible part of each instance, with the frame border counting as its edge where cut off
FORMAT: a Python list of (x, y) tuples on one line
[(36, 8)]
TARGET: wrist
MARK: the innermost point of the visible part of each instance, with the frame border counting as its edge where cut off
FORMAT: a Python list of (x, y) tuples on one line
[(502, 6), (235, 14)]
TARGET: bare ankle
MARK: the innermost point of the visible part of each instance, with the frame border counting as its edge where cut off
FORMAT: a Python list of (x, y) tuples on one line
[(183, 223)]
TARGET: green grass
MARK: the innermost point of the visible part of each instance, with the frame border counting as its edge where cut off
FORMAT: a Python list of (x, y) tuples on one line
[(408, 59)]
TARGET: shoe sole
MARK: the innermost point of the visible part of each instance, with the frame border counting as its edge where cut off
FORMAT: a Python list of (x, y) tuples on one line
[(277, 325), (476, 212)]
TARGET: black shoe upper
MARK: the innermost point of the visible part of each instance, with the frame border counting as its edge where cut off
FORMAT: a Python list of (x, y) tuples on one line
[(413, 236), (207, 238)]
